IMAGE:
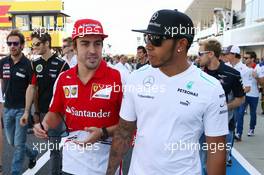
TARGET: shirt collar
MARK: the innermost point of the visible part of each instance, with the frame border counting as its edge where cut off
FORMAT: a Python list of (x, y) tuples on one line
[(50, 58), (22, 59)]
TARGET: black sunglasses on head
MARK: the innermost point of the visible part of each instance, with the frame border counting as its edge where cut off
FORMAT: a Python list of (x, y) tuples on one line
[(155, 40), (15, 43)]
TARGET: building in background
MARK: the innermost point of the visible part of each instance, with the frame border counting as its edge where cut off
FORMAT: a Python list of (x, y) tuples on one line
[(28, 16), (237, 22)]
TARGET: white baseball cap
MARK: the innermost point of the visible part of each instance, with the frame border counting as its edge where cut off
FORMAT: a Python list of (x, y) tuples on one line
[(232, 49)]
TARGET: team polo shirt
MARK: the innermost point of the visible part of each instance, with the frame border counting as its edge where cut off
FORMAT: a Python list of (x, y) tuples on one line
[(231, 82), (171, 112), (95, 104), (16, 78), (45, 75), (254, 91)]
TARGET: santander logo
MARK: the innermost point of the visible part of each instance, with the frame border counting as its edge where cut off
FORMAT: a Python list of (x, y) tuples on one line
[(85, 113)]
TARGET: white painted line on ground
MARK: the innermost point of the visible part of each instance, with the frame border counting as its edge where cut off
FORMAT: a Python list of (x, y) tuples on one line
[(41, 161), (244, 162)]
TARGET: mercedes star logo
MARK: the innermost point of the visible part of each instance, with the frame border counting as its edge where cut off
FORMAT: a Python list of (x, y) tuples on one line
[(155, 16), (148, 81)]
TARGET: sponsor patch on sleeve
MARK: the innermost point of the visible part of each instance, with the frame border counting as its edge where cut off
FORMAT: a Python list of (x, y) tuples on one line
[(71, 91)]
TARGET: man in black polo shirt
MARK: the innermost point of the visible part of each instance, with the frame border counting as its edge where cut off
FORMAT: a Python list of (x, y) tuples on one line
[(230, 79), (15, 74), (46, 70)]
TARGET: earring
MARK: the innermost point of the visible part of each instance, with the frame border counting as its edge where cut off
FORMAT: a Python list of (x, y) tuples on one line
[(179, 50)]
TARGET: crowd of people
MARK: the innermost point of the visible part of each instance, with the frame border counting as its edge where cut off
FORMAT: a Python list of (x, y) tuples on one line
[(126, 115)]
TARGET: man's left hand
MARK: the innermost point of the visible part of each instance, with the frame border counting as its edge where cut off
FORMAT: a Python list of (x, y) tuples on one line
[(95, 134)]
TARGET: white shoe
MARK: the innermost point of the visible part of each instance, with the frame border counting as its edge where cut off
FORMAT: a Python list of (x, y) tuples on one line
[(251, 132)]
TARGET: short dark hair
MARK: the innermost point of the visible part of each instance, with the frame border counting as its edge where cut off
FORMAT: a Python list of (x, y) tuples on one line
[(212, 45), (42, 35), (142, 48), (68, 40), (18, 34), (252, 54)]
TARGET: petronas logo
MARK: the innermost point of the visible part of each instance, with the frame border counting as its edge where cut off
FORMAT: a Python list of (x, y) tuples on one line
[(189, 85)]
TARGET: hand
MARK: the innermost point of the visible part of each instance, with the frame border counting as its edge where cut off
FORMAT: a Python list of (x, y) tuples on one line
[(254, 74), (41, 132), (95, 134), (24, 119)]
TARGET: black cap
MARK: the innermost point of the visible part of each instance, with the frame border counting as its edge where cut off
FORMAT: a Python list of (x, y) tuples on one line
[(170, 23)]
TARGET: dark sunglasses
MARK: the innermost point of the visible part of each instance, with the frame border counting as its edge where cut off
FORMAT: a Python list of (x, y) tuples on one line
[(64, 130), (202, 53), (12, 43), (36, 44), (246, 58), (155, 40)]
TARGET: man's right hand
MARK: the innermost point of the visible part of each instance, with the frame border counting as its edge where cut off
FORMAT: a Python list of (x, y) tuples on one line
[(24, 119), (39, 131)]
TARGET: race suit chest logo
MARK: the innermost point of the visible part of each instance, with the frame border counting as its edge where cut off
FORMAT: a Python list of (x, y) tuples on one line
[(39, 68), (70, 91), (188, 92), (189, 86), (86, 113), (101, 91), (6, 71)]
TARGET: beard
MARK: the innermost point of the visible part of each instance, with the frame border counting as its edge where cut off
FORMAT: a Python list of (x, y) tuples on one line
[(16, 52)]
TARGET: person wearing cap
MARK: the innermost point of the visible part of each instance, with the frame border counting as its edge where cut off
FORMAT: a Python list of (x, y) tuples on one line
[(89, 95), (182, 103), (46, 70), (209, 53), (233, 55)]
